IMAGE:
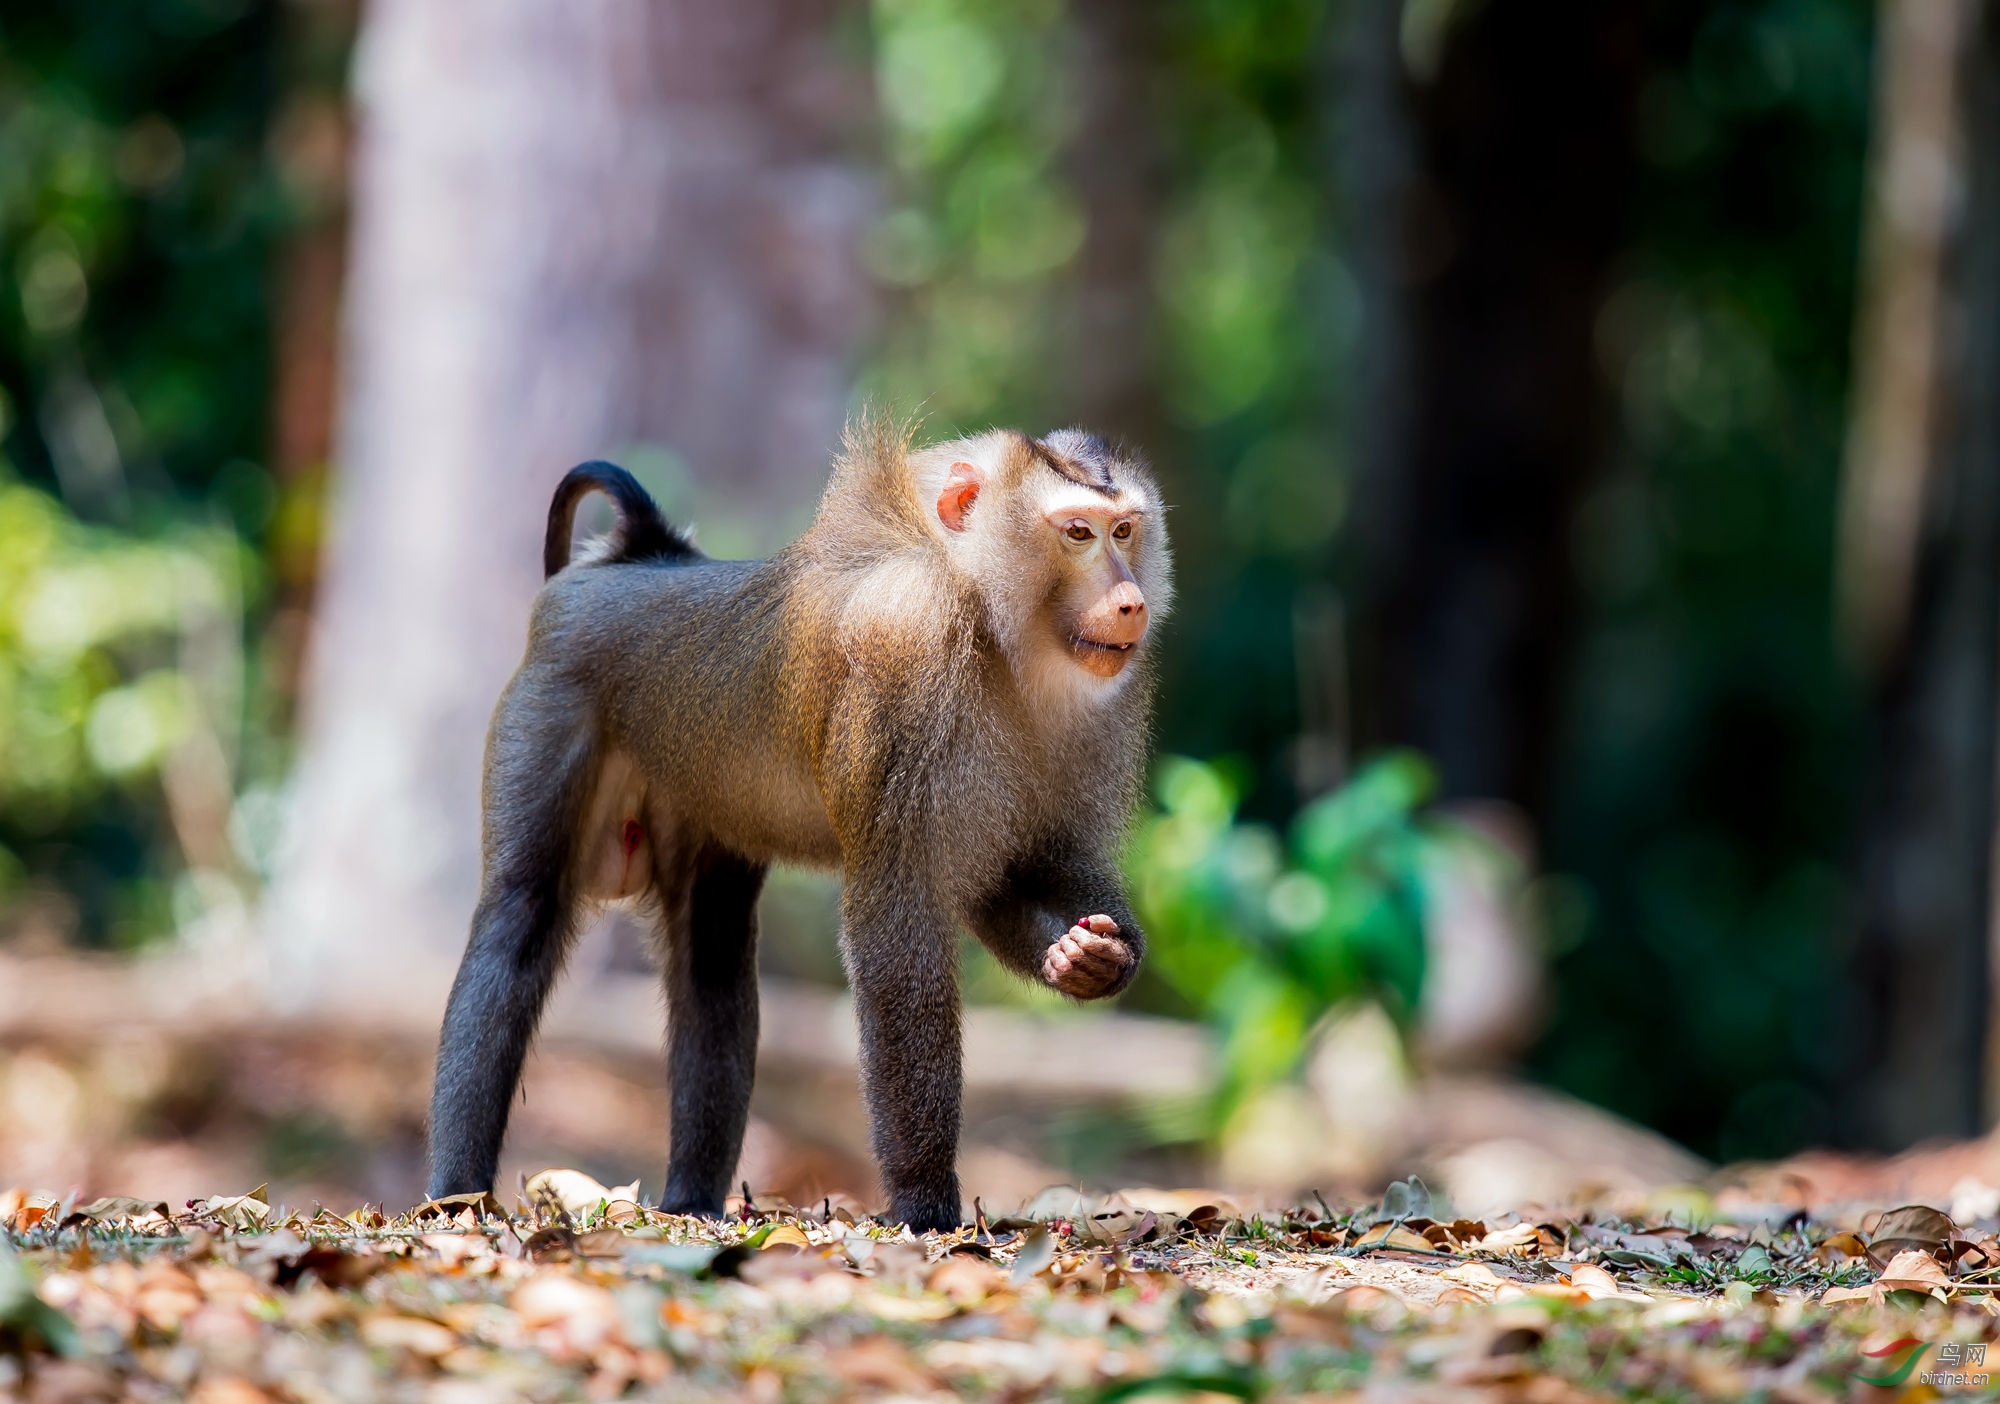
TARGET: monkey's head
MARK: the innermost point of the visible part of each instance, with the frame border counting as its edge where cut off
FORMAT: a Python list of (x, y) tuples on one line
[(1066, 540)]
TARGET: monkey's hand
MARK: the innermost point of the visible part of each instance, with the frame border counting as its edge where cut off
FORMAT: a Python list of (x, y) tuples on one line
[(1090, 961)]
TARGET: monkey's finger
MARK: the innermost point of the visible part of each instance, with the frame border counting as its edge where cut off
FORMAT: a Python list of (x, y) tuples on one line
[(1108, 945), (1100, 925), (1102, 963)]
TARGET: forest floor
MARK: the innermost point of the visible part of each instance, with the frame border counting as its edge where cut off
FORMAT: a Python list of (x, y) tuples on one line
[(583, 1295)]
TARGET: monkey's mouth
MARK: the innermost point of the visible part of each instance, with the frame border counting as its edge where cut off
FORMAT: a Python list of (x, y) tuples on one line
[(1079, 641)]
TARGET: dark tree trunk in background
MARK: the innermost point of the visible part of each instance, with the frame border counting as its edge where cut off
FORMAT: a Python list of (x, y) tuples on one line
[(1116, 168), (1924, 1062), (1513, 214)]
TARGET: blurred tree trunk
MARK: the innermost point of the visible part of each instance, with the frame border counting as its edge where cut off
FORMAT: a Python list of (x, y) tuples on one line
[(1920, 575), (1116, 167), (577, 228), (1505, 231)]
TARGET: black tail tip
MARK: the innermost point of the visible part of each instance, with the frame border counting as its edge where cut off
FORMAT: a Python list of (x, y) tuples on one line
[(642, 533)]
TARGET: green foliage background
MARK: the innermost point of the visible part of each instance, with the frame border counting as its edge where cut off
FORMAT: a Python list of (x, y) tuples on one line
[(1705, 785), (140, 209), (1708, 790)]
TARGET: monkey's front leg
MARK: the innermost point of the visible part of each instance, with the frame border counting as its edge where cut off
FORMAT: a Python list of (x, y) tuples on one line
[(1065, 924), (902, 963)]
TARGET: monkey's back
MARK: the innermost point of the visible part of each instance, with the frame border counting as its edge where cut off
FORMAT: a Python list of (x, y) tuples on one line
[(682, 669)]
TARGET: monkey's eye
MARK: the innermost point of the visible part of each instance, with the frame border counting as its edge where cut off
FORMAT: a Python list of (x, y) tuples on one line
[(1079, 530), (1123, 531)]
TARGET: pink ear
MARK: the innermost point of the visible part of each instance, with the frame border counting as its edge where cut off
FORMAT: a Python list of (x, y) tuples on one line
[(961, 490)]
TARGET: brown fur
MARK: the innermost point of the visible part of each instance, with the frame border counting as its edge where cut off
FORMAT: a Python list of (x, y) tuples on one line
[(884, 697)]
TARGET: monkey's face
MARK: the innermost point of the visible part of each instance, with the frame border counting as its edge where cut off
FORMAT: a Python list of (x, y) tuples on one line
[(1067, 543), (1103, 619)]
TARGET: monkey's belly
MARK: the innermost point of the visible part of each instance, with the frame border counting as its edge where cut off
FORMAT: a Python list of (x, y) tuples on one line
[(776, 815)]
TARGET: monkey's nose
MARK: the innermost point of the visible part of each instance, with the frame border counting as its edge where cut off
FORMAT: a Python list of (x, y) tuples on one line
[(1120, 615)]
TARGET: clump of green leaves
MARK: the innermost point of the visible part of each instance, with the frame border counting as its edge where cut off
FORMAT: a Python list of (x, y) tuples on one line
[(977, 109), (1266, 934), (116, 651)]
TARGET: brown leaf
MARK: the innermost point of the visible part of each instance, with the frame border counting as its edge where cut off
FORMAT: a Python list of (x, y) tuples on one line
[(244, 1213), (1476, 1276), (892, 1307), (117, 1210), (453, 1204), (1590, 1278), (599, 1243), (1393, 1235), (1840, 1247), (412, 1333), (1519, 1238), (1915, 1271), (336, 1268), (166, 1295), (1324, 1321), (575, 1192), (1364, 1300), (1034, 1256), (880, 1361), (33, 1208), (1201, 1219), (454, 1249), (569, 1319), (787, 1260), (966, 1280), (1914, 1227), (228, 1389)]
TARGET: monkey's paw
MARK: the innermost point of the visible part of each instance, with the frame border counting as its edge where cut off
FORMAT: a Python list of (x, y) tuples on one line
[(1090, 961)]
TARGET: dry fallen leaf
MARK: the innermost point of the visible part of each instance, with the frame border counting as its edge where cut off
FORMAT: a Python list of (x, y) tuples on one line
[(228, 1389), (1035, 1254), (890, 1307), (881, 1362), (569, 1319), (1520, 1238), (1394, 1236), (967, 1280), (456, 1248), (1477, 1276), (576, 1192), (1594, 1281), (1914, 1271), (1915, 1227), (412, 1333), (243, 1213)]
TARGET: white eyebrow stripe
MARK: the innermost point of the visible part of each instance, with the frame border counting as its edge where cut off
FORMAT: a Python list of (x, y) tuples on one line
[(1069, 498)]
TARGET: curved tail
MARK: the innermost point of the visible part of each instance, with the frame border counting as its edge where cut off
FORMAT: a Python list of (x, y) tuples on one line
[(642, 534)]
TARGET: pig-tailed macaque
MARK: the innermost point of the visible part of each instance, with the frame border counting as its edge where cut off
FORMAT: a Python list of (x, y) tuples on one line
[(941, 690)]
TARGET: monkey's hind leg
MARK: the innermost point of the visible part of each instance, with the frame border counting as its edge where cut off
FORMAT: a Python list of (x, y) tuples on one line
[(538, 774), (711, 979)]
